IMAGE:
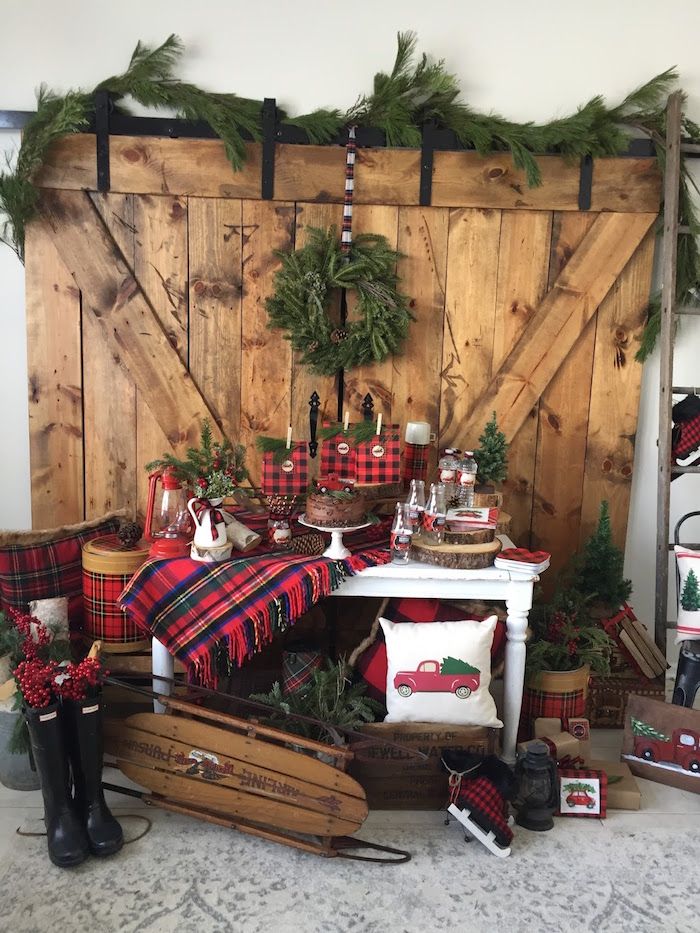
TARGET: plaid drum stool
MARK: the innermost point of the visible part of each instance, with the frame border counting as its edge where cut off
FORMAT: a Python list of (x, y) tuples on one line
[(107, 568)]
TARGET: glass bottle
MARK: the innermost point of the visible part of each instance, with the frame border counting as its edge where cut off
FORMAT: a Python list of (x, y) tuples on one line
[(434, 515), (279, 533), (416, 504), (447, 470), (466, 479), (401, 534)]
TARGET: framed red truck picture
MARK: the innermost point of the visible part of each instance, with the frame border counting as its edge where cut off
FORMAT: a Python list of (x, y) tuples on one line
[(582, 793), (662, 742)]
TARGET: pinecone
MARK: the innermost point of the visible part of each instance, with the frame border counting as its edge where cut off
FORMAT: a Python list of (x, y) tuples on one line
[(338, 335), (313, 346), (311, 544), (130, 534)]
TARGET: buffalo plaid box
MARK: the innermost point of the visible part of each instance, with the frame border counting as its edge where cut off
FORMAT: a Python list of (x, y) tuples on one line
[(338, 455), (379, 459), (291, 476)]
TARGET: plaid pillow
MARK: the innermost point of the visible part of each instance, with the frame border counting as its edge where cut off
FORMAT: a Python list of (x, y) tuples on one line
[(42, 564), (291, 477), (379, 460)]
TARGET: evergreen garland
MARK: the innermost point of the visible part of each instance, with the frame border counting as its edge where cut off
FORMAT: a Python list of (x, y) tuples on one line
[(211, 465), (360, 432), (416, 90), (303, 287), (277, 446)]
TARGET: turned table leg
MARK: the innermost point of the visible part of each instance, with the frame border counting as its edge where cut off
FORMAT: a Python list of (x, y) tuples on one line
[(518, 605)]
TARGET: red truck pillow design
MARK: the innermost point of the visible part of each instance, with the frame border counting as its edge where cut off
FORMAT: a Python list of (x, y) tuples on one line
[(452, 675)]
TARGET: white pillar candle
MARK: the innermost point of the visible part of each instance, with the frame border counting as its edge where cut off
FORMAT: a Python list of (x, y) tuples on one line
[(379, 423), (417, 432)]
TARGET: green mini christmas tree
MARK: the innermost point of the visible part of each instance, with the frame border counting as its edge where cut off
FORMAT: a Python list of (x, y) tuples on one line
[(639, 727), (457, 666), (600, 575), (690, 597), (491, 457)]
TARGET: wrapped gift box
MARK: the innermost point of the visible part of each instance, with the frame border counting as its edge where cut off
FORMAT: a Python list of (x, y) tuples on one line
[(578, 727), (623, 790)]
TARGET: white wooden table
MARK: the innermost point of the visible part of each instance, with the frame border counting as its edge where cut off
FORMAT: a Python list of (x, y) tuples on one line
[(418, 580)]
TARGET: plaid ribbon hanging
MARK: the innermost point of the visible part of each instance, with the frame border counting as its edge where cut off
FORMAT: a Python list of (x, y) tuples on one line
[(346, 232)]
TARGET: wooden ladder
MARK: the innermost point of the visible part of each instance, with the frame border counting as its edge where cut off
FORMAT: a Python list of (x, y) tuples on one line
[(669, 309)]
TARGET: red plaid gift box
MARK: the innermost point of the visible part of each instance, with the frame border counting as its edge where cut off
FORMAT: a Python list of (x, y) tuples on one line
[(338, 455), (291, 476), (42, 564), (379, 459)]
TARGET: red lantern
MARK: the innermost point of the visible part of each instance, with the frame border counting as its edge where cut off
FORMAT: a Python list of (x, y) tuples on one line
[(168, 525)]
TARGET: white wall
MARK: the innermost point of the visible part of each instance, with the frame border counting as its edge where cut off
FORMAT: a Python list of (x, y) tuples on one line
[(527, 61)]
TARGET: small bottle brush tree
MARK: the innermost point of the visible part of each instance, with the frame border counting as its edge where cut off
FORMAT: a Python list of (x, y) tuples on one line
[(491, 457), (600, 573)]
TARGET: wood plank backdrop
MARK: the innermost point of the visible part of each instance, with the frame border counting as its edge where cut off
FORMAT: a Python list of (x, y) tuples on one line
[(146, 313)]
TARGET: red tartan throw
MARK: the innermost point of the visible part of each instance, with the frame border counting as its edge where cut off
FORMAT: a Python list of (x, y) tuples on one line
[(42, 564), (289, 478), (338, 455), (379, 459)]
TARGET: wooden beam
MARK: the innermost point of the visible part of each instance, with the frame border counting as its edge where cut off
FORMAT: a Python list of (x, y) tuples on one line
[(199, 168), (112, 294), (559, 321)]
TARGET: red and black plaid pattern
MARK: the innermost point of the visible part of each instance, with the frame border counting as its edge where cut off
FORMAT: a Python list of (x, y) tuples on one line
[(379, 459), (338, 455), (290, 477), (686, 438), (580, 774), (487, 808), (415, 462), (298, 669), (52, 568), (538, 703), (346, 231), (103, 620)]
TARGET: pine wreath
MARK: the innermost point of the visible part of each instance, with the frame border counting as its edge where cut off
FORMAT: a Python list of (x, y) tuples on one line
[(303, 288)]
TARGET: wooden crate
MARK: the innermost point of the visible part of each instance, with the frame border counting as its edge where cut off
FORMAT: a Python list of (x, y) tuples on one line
[(393, 780), (608, 695)]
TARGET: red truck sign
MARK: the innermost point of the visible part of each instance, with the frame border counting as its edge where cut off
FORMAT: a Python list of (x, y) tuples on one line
[(428, 679), (683, 748)]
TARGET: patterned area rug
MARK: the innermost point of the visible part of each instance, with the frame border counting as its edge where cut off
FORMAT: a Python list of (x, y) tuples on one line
[(186, 875)]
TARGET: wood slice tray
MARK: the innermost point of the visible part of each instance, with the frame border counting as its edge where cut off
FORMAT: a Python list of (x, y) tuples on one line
[(456, 556), (475, 536), (372, 491)]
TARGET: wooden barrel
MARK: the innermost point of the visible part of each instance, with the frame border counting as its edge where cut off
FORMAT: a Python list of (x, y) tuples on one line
[(107, 567)]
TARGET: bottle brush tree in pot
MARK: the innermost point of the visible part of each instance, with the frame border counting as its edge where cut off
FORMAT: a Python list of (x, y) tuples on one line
[(491, 457), (599, 570)]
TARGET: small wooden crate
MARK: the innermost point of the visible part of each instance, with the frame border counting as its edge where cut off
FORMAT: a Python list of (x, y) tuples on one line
[(608, 695), (393, 780)]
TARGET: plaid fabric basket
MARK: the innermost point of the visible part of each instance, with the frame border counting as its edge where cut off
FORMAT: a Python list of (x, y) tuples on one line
[(298, 668), (48, 565), (338, 455), (291, 477), (538, 703), (379, 460)]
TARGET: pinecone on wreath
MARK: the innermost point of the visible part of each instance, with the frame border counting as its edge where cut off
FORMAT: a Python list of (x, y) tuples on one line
[(338, 335)]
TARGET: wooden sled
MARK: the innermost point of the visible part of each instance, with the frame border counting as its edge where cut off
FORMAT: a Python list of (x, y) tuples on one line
[(253, 778)]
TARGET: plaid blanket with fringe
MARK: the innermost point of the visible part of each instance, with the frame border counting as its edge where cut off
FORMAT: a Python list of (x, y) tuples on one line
[(195, 609)]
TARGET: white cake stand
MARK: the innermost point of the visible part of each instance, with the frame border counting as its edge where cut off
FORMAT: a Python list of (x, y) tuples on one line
[(336, 549)]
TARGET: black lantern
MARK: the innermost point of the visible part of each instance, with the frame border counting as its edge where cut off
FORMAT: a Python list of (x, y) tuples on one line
[(536, 774)]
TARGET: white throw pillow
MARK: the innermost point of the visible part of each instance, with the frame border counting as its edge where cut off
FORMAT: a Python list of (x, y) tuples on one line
[(688, 625), (440, 672)]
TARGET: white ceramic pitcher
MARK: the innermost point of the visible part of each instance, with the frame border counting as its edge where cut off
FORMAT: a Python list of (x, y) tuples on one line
[(210, 527)]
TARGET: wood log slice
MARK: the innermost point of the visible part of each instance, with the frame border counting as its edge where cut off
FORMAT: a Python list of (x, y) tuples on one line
[(456, 556), (488, 500), (380, 490), (475, 536)]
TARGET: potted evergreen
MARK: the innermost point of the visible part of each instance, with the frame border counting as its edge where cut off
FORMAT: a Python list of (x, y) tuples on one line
[(492, 463)]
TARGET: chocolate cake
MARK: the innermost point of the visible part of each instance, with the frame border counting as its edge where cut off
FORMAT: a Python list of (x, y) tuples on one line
[(335, 509)]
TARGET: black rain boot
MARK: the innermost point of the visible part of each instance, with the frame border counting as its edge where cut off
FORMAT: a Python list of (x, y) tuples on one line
[(83, 724), (65, 834)]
